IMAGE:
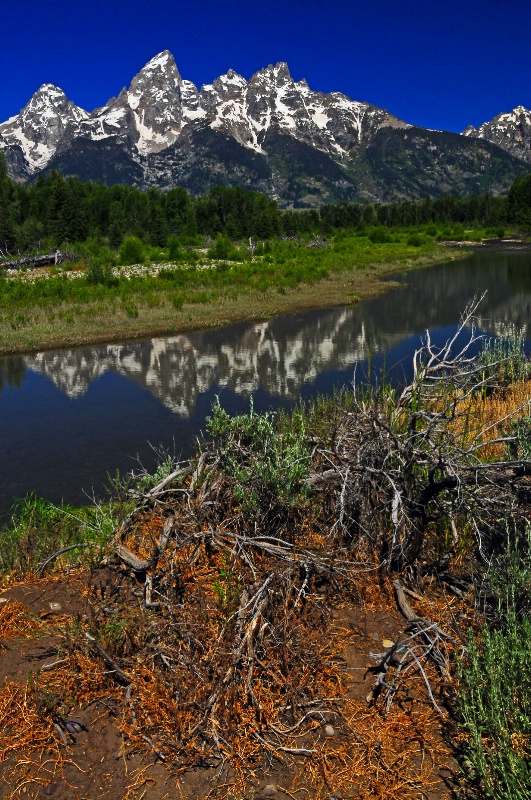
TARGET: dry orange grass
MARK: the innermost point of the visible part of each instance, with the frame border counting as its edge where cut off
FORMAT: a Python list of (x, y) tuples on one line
[(483, 419), (388, 757), (31, 755), (16, 622)]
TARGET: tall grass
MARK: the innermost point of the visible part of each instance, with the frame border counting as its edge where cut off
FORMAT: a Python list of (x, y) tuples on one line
[(38, 528), (495, 681)]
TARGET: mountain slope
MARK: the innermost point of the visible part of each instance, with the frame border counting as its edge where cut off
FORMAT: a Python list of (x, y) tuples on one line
[(511, 132), (269, 133)]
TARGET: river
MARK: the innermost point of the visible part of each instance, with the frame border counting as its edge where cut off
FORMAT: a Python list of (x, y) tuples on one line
[(70, 418)]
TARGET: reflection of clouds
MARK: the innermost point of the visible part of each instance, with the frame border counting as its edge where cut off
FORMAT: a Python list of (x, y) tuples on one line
[(278, 356)]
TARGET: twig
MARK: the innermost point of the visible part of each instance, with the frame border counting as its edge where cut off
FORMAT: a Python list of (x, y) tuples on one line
[(119, 674), (42, 566)]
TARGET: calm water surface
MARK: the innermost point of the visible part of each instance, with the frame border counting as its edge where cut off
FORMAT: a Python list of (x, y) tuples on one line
[(69, 418)]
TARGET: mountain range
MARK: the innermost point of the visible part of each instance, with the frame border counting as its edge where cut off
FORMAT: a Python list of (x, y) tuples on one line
[(269, 133)]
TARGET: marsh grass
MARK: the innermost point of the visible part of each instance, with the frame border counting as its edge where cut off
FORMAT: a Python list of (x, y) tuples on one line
[(60, 311), (495, 680), (39, 528)]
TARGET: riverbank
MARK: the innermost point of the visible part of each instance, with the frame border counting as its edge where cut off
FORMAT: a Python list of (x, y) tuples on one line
[(143, 307), (244, 624)]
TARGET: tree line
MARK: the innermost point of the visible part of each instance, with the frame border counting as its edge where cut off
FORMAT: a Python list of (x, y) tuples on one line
[(55, 210)]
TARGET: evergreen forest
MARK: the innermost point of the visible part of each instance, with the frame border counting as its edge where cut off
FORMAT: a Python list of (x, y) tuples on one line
[(54, 211)]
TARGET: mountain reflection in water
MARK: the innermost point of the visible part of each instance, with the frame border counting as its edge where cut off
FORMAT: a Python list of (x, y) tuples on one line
[(58, 446)]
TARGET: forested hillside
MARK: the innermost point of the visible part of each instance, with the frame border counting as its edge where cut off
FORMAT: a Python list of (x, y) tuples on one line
[(56, 210)]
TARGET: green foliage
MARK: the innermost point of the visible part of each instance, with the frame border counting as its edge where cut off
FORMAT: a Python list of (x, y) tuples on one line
[(227, 588), (223, 248), (380, 236), (416, 240), (519, 201), (494, 233), (266, 467), (146, 481), (39, 528), (520, 446), (175, 249), (495, 682), (177, 300), (100, 272), (132, 251), (505, 359)]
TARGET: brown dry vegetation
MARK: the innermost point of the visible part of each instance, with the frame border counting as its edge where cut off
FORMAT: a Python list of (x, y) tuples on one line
[(226, 640)]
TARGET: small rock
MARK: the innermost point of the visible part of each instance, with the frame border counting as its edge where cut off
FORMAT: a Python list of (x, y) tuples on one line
[(75, 725), (329, 730), (270, 790), (387, 643), (50, 789)]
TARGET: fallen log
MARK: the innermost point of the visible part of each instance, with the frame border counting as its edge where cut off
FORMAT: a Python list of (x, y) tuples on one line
[(55, 257)]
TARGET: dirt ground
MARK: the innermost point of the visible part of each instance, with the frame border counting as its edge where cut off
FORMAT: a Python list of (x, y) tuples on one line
[(358, 752)]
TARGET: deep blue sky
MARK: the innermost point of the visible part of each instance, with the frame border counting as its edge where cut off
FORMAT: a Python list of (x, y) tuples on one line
[(440, 64)]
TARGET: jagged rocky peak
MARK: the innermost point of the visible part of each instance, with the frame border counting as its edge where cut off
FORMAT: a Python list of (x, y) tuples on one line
[(229, 84), (228, 87), (159, 76), (274, 75), (47, 100), (511, 131), (154, 96), (41, 124), (149, 115)]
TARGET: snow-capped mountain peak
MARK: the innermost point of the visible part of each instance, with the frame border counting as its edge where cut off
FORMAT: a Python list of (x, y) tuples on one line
[(155, 99), (41, 124), (151, 114), (511, 131), (269, 132)]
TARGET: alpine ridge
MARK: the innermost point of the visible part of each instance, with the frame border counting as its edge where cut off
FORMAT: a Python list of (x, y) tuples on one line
[(511, 132), (268, 133)]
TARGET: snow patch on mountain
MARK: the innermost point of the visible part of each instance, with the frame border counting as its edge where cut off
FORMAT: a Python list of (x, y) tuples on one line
[(159, 107), (41, 125), (510, 131)]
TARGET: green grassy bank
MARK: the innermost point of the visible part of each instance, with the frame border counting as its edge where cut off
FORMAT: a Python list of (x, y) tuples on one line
[(184, 289)]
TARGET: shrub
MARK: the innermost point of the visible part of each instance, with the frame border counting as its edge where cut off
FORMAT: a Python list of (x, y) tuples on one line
[(495, 682), (267, 468), (223, 249), (175, 250), (100, 272), (132, 251), (177, 300), (416, 240), (380, 236)]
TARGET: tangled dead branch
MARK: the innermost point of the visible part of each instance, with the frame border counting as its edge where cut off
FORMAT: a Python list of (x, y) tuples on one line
[(422, 642), (209, 616), (401, 462)]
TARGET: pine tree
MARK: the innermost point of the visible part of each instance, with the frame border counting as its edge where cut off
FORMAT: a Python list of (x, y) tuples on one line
[(7, 227)]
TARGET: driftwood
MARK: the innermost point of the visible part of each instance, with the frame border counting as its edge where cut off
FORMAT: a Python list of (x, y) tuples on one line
[(55, 257), (136, 564), (421, 642)]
